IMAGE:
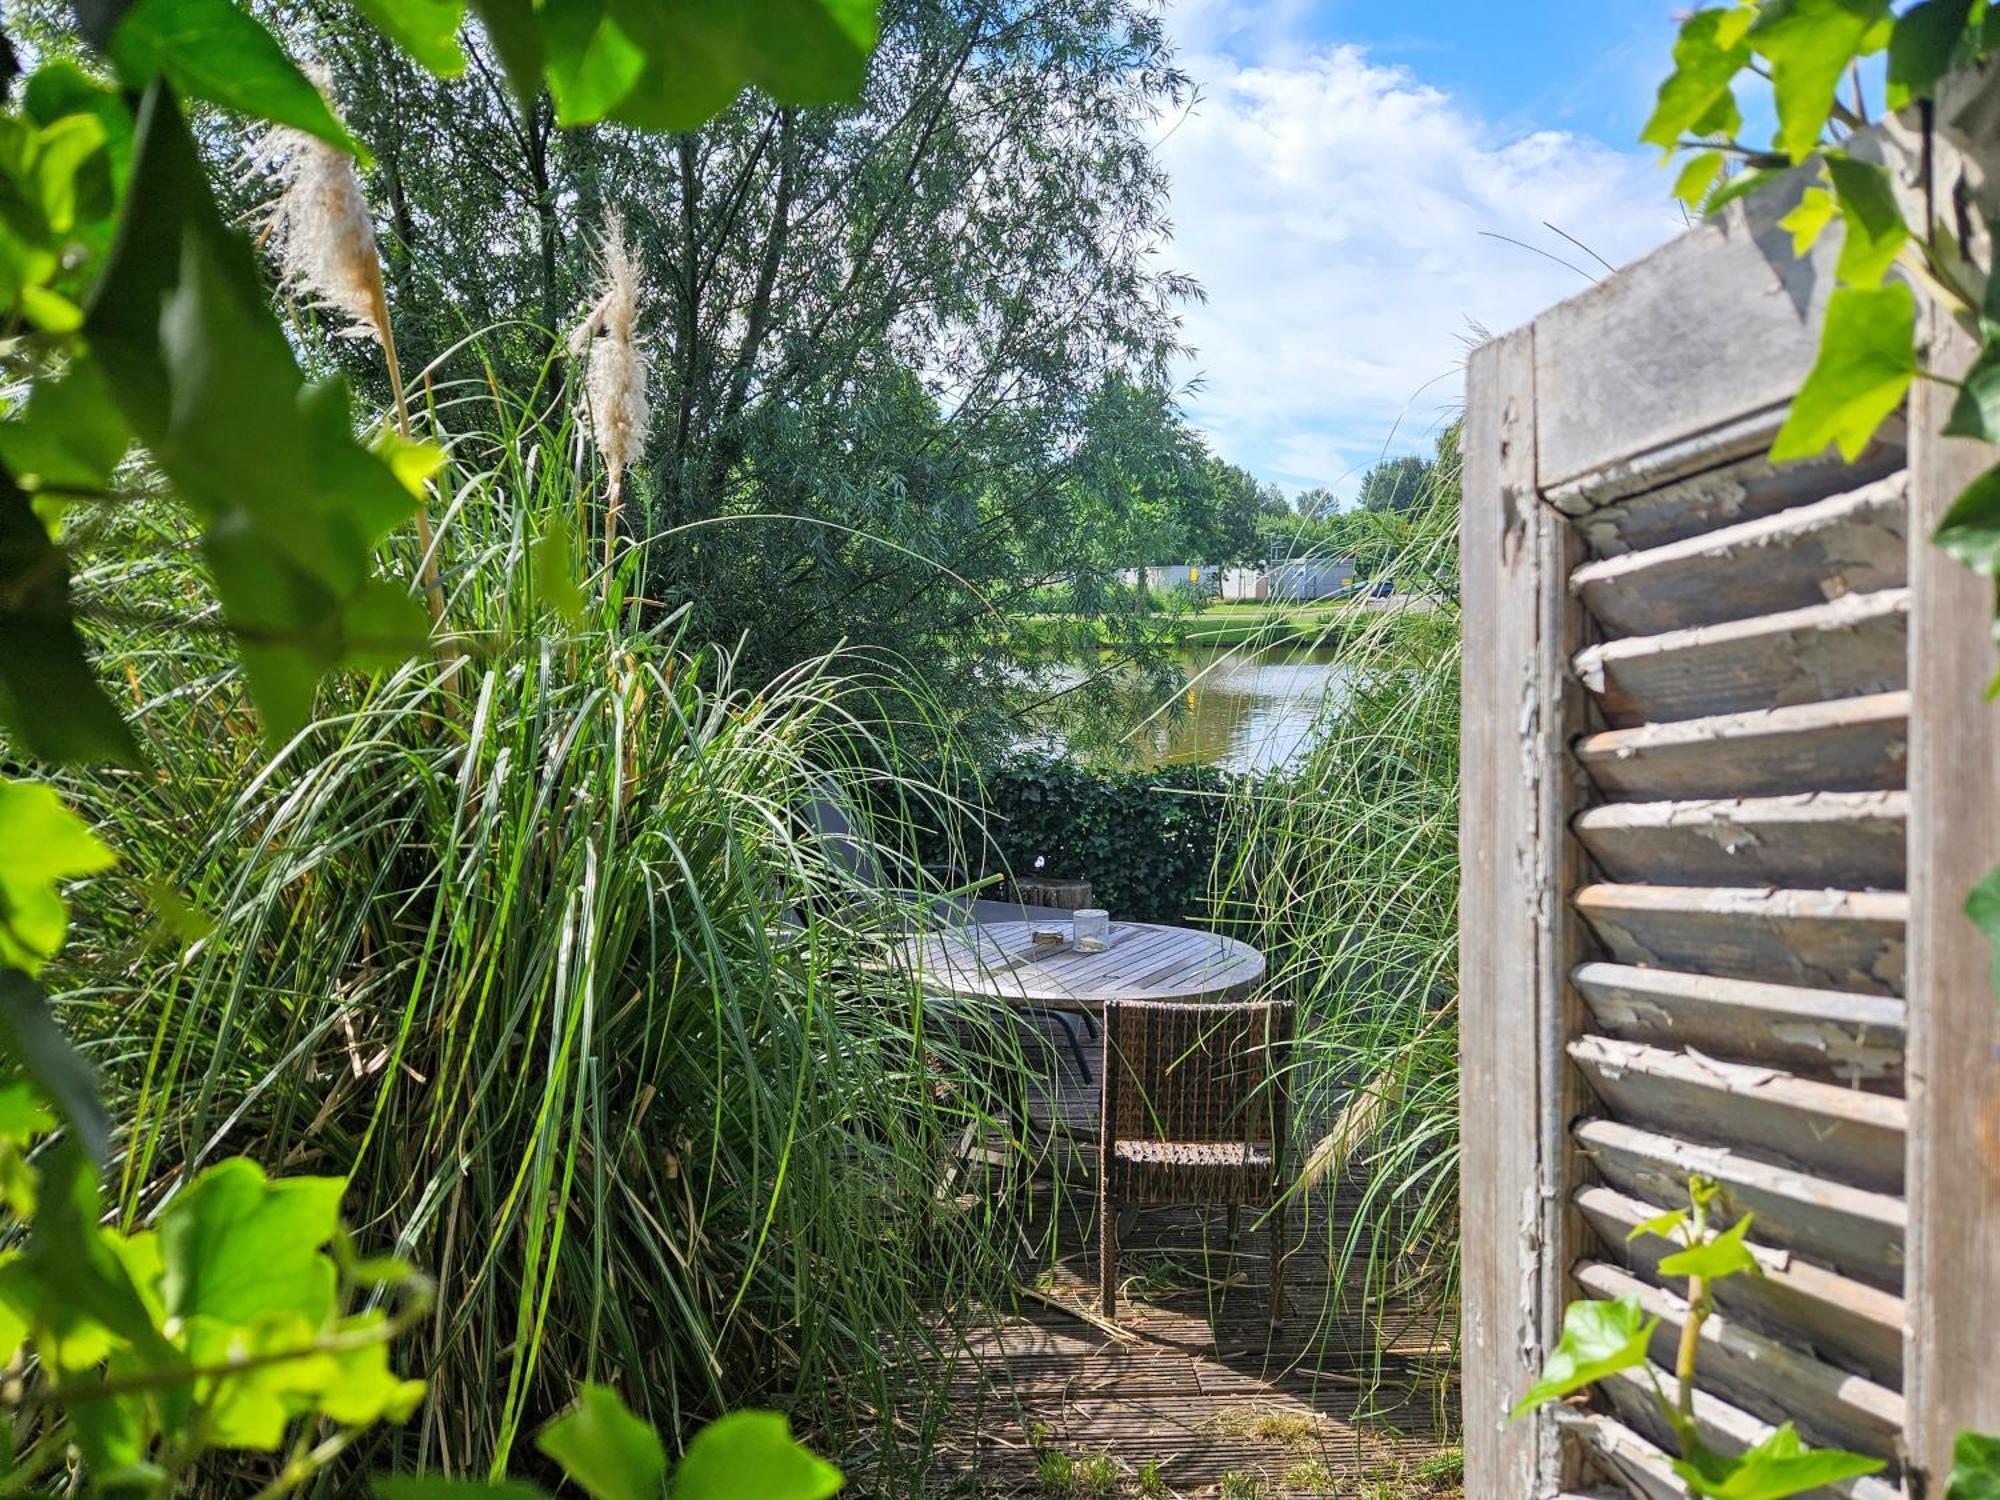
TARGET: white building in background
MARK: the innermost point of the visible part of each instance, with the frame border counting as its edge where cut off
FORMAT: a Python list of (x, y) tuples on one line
[(1286, 582), (1312, 578)]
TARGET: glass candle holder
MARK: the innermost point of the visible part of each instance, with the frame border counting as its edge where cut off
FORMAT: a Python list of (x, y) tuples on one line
[(1092, 930)]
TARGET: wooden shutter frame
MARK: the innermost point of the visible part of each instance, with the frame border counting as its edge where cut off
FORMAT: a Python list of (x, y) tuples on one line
[(1722, 323)]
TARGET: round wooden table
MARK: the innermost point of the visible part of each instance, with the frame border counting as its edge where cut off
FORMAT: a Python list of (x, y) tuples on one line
[(1001, 961)]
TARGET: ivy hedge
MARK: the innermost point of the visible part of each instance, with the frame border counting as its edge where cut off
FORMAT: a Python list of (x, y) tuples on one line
[(1145, 840)]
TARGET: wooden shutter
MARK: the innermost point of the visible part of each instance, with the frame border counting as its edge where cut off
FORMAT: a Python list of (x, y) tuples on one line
[(1728, 776)]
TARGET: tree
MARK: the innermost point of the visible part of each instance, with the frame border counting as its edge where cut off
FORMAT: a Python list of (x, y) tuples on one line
[(1395, 485), (879, 332)]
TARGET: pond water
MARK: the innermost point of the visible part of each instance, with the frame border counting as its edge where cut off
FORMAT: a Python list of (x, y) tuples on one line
[(1243, 709)]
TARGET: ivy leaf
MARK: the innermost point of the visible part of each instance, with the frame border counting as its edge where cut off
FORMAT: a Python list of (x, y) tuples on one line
[(1809, 44), (1970, 530), (1976, 412), (217, 51), (1724, 1255), (23, 1117), (42, 843), (1874, 220), (1867, 358), (1696, 98), (1779, 1466), (426, 29), (1664, 1225), (552, 571), (237, 1247), (1737, 186), (70, 437), (76, 1264), (196, 359), (512, 28), (29, 1034), (1816, 209), (609, 1453), (752, 1453), (1975, 1467), (592, 63), (1598, 1339), (50, 701), (1922, 47), (699, 58), (1982, 904), (1697, 176)]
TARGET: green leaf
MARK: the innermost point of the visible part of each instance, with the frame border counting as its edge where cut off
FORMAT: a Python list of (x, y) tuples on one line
[(1867, 358), (1698, 175), (1976, 412), (1873, 219), (431, 1487), (42, 843), (1738, 186), (77, 1266), (1816, 209), (29, 1034), (426, 29), (1696, 98), (1721, 1255), (697, 58), (1598, 1339), (552, 571), (1970, 530), (609, 1453), (1664, 1225), (196, 359), (236, 1247), (592, 63), (215, 50), (364, 1389), (1983, 906), (1809, 44), (50, 701), (752, 1453), (1921, 48), (71, 436), (23, 1115), (1779, 1466), (512, 28), (1975, 1467)]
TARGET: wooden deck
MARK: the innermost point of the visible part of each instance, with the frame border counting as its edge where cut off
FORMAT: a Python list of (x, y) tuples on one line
[(1193, 1392)]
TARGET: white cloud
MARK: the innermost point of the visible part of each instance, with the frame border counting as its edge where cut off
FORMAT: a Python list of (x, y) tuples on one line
[(1332, 207)]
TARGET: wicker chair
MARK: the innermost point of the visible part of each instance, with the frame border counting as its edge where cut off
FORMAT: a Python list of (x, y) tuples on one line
[(1194, 1111)]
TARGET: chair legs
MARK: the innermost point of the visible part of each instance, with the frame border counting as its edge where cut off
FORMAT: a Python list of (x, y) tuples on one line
[(1277, 1217), (1107, 1257)]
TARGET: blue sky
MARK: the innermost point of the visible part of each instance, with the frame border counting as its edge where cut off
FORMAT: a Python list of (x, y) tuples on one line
[(1338, 187)]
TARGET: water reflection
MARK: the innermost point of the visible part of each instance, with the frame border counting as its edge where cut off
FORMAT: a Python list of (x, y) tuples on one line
[(1243, 710)]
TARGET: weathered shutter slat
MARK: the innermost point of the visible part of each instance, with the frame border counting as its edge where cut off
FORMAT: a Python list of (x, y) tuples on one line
[(1852, 840), (1840, 1132), (1851, 1039), (1852, 543), (1848, 1229), (1850, 745), (1839, 940), (1721, 496), (1844, 648)]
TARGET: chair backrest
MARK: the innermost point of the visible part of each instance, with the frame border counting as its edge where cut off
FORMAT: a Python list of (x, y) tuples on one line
[(827, 821), (1175, 1072)]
